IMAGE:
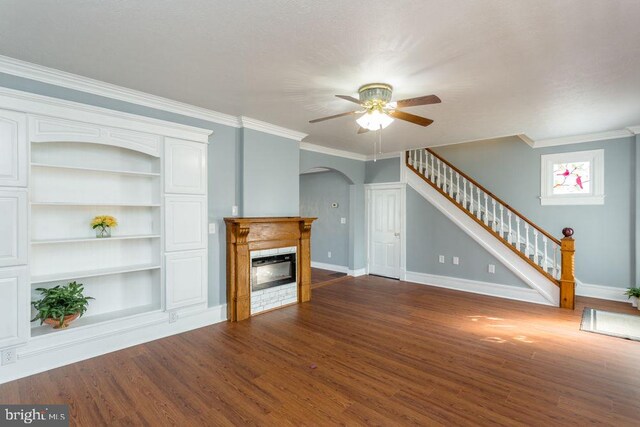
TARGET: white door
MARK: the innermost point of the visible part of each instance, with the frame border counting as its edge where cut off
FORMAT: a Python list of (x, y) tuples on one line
[(384, 232)]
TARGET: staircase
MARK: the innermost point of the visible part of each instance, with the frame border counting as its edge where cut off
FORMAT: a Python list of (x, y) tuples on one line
[(550, 257)]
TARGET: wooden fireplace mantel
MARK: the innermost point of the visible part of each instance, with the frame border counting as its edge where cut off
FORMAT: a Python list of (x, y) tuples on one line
[(248, 234)]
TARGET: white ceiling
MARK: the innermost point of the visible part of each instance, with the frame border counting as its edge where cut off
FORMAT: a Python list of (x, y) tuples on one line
[(545, 68)]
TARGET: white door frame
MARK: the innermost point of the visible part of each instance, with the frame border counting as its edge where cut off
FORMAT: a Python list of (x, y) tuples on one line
[(369, 189)]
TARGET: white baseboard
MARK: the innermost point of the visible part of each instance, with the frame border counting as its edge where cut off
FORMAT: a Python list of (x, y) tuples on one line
[(603, 292), (44, 353), (339, 269), (477, 287), (330, 267)]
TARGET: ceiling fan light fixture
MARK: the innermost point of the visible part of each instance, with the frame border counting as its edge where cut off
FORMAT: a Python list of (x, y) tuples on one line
[(374, 120)]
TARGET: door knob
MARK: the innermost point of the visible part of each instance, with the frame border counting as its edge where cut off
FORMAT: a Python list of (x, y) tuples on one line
[(396, 234)]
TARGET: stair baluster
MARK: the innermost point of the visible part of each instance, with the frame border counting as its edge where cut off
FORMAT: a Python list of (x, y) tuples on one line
[(495, 220), (451, 183), (464, 192), (486, 209), (545, 266), (479, 205), (535, 247), (526, 240), (510, 235), (501, 229)]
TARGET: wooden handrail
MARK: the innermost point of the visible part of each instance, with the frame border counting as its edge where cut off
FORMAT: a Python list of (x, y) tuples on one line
[(493, 196)]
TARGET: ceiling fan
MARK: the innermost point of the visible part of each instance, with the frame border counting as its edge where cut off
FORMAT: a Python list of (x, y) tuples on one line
[(377, 109)]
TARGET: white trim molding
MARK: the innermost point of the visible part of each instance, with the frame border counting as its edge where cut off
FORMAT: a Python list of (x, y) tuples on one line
[(477, 287), (339, 269), (249, 123), (579, 139), (602, 292), (55, 77), (28, 70), (332, 151), (73, 345), (30, 103), (596, 173)]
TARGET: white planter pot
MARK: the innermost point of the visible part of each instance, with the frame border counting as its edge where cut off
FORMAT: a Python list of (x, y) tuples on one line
[(634, 301)]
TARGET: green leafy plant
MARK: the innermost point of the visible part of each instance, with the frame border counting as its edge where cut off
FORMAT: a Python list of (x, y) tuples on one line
[(633, 292), (60, 301)]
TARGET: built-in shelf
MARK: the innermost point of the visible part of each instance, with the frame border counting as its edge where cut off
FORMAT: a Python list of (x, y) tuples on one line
[(88, 320), (111, 171), (143, 205), (94, 239), (71, 275)]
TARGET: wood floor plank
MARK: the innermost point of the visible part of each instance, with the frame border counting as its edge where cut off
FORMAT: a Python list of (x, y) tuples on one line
[(364, 351)]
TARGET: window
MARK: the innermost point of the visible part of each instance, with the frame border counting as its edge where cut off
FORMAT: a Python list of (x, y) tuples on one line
[(572, 178)]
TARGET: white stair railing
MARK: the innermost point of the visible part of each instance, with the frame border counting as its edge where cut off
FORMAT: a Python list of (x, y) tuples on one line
[(489, 210)]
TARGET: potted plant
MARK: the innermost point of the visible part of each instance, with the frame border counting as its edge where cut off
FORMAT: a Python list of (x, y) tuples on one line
[(103, 225), (61, 305), (633, 294)]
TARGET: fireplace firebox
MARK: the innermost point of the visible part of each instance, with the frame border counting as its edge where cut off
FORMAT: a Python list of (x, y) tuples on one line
[(270, 271)]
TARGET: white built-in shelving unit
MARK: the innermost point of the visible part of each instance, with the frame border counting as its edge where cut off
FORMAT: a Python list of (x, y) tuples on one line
[(71, 182)]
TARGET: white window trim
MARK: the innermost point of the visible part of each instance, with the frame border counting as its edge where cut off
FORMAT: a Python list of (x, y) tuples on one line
[(595, 197)]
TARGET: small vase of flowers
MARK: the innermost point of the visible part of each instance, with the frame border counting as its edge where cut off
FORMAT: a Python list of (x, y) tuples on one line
[(103, 225)]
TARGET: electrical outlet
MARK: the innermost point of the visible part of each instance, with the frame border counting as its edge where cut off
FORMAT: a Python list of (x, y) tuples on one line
[(173, 316), (441, 259), (492, 269), (8, 356), (329, 254), (212, 228), (343, 220), (456, 260)]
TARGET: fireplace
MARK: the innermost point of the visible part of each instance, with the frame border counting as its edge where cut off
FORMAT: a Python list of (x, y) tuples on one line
[(268, 264), (274, 270)]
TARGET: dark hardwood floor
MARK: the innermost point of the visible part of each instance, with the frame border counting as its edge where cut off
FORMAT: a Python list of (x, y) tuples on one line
[(321, 277), (364, 351)]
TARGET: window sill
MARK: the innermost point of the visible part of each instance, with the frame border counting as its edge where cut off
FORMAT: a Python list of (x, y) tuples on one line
[(575, 200)]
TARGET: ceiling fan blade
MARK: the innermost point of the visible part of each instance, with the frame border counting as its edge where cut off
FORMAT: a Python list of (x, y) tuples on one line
[(412, 118), (349, 98), (362, 130), (421, 100), (332, 117)]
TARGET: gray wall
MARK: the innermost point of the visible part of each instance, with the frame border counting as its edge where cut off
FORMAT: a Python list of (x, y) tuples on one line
[(317, 193), (225, 156), (270, 185), (605, 234), (431, 234), (385, 170), (354, 170)]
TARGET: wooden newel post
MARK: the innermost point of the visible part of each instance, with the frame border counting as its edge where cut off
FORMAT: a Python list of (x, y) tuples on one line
[(568, 275)]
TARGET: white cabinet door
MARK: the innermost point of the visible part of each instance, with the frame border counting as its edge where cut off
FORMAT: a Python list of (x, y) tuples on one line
[(186, 281), (185, 223), (13, 227), (14, 306), (13, 149), (185, 167)]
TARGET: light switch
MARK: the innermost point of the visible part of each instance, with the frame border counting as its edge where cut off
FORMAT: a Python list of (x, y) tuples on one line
[(212, 228), (343, 220), (234, 210)]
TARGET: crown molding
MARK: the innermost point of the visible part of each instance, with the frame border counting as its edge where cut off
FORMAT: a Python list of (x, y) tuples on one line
[(55, 77), (332, 151), (578, 139), (31, 103), (634, 129), (394, 155), (249, 123)]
